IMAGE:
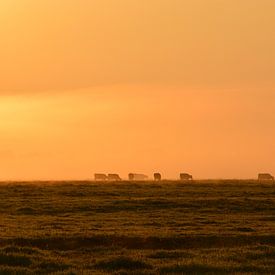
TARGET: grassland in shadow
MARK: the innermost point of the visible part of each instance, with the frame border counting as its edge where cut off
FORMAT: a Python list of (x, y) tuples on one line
[(220, 227)]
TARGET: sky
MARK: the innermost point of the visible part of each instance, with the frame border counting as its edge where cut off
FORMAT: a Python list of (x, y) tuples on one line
[(136, 86)]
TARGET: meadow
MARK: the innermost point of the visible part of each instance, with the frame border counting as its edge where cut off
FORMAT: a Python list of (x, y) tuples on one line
[(169, 227)]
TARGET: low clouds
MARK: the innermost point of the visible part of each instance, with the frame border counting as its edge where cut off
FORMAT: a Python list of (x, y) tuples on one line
[(5, 153), (65, 45)]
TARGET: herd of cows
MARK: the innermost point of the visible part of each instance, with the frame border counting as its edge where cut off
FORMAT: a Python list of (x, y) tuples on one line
[(263, 177), (137, 177)]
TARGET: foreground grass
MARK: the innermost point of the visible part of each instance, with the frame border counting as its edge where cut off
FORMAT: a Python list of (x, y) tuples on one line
[(137, 228)]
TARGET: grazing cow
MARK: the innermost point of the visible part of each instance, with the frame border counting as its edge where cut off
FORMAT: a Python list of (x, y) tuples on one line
[(157, 177), (186, 177), (265, 177), (137, 177), (101, 177), (114, 177)]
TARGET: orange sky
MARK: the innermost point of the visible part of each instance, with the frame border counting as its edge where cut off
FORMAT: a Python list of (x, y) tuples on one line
[(136, 86)]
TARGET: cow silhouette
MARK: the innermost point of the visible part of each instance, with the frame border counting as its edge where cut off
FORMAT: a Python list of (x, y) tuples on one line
[(157, 177), (186, 177), (137, 177), (265, 177), (100, 177), (114, 177)]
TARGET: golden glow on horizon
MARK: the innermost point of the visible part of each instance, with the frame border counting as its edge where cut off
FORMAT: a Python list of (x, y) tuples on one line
[(124, 128), (119, 85)]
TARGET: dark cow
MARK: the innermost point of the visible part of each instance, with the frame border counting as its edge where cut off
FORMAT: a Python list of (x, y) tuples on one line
[(186, 177), (101, 177), (265, 177), (157, 177), (114, 177), (137, 177)]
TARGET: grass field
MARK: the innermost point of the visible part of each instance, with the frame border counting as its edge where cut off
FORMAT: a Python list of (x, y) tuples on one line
[(137, 228)]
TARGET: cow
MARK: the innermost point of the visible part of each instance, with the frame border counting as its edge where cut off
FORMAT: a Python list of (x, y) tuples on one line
[(157, 177), (186, 177), (100, 177), (137, 177), (265, 177), (114, 177)]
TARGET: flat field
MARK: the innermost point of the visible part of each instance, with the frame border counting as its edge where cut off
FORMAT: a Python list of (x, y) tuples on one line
[(204, 227)]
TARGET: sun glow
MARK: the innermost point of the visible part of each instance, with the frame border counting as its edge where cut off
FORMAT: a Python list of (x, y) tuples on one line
[(159, 85)]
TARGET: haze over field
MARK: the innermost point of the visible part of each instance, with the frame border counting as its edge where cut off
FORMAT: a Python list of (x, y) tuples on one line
[(137, 86)]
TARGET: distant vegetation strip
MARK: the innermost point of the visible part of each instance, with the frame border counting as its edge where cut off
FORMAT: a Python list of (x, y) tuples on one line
[(129, 242)]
